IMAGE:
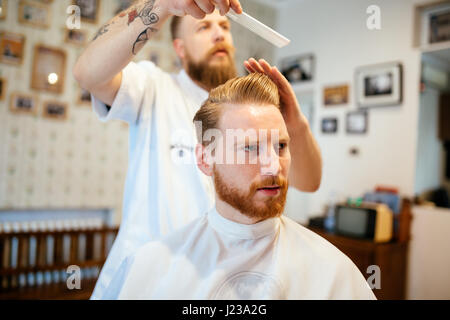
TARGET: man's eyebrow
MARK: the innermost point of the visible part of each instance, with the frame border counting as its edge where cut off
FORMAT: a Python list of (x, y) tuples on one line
[(284, 139), (227, 22), (198, 23)]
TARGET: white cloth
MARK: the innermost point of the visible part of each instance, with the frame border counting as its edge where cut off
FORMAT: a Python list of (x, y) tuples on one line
[(215, 258), (164, 189)]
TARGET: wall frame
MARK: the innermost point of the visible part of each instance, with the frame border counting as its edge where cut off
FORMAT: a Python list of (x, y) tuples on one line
[(75, 37), (34, 14), (379, 85), (22, 103), (335, 95), (357, 122), (11, 48), (3, 9), (48, 62), (329, 125), (3, 83), (90, 10), (299, 68), (55, 110)]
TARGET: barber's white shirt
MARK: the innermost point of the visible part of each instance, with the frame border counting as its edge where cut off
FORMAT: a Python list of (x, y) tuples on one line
[(215, 258), (164, 189)]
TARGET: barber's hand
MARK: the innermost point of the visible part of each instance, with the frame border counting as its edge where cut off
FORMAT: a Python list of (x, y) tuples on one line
[(199, 8), (289, 105)]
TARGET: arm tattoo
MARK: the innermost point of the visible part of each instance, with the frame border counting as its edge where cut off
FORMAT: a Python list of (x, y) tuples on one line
[(142, 39), (101, 32), (147, 16)]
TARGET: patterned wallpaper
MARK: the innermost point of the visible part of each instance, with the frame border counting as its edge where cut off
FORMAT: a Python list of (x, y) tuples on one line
[(79, 162)]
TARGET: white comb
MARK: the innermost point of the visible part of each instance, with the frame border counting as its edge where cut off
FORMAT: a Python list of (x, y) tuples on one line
[(259, 28)]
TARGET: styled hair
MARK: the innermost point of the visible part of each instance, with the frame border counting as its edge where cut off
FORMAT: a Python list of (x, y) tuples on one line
[(174, 24), (255, 88)]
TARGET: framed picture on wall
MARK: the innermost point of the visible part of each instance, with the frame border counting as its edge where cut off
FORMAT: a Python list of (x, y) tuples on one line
[(356, 122), (55, 110), (329, 125), (379, 85), (89, 10), (49, 67), (34, 14), (22, 103), (335, 95), (2, 89), (84, 97), (299, 68), (11, 48), (76, 37), (3, 9), (435, 24)]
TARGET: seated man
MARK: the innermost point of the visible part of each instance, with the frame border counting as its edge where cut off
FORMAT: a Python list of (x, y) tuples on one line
[(244, 248)]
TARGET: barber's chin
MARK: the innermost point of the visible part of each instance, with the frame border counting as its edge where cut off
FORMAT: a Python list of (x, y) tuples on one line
[(219, 61)]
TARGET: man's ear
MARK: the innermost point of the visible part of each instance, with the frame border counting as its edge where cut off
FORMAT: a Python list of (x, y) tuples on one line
[(204, 163), (178, 45)]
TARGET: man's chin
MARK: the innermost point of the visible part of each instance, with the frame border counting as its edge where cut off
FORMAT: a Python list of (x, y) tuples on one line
[(222, 61), (260, 209)]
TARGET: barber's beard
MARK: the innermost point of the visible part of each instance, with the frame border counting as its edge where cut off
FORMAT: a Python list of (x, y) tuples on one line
[(245, 202), (212, 76)]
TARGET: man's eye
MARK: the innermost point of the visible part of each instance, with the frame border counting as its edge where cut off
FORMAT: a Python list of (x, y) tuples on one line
[(282, 146), (202, 28), (250, 148), (225, 27)]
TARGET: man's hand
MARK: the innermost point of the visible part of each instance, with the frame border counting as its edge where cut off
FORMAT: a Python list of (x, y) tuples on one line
[(200, 8), (290, 108), (306, 165)]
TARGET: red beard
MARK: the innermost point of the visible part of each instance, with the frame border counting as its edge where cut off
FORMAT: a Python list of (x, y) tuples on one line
[(272, 207), (213, 76)]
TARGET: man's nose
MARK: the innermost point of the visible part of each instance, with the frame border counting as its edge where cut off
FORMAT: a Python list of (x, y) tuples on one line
[(218, 34), (270, 162)]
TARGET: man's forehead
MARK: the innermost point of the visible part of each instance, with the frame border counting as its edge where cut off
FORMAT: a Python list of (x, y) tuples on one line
[(213, 17), (252, 117)]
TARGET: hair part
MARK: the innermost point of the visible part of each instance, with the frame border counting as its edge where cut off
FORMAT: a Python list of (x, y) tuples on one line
[(255, 88)]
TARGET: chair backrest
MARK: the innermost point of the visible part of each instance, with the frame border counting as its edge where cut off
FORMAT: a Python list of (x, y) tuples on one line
[(35, 256)]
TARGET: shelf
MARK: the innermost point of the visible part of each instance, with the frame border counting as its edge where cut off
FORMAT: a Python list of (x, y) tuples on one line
[(435, 46)]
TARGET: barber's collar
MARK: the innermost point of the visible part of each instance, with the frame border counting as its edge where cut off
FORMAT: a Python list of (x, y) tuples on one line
[(243, 231), (197, 93)]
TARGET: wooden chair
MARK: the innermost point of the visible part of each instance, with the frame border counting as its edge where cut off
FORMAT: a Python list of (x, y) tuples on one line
[(33, 265)]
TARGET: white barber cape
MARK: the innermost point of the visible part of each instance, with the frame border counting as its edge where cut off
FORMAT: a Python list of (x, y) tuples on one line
[(215, 258), (164, 189)]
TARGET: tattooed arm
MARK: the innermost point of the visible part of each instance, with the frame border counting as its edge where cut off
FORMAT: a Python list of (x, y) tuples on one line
[(99, 68)]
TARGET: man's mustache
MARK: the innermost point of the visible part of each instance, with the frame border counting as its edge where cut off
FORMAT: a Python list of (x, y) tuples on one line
[(220, 47), (272, 181)]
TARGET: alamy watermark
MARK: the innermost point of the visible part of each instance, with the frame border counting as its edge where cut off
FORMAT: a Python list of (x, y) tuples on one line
[(74, 277), (374, 281), (74, 19), (73, 281), (373, 22)]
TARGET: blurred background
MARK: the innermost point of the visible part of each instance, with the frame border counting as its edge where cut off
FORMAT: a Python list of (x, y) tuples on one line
[(371, 76)]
